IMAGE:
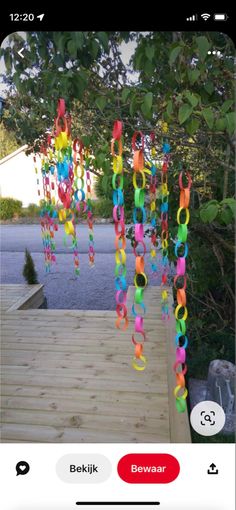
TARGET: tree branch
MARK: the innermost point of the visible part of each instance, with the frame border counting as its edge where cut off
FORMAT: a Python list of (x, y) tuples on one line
[(226, 172), (208, 232)]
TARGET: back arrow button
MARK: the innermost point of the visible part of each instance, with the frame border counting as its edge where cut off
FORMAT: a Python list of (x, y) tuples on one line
[(20, 52)]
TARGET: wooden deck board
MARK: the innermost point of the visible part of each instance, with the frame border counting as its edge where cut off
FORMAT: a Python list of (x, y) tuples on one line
[(67, 375), (16, 297)]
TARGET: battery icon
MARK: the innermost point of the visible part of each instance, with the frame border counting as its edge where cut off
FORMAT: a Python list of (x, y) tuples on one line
[(220, 17)]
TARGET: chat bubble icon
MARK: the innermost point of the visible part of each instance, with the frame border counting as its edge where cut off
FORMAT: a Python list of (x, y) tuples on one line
[(22, 468)]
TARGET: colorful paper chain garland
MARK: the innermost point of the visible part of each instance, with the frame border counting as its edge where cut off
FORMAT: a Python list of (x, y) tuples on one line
[(139, 361), (77, 192), (164, 223), (67, 169), (48, 213), (91, 252), (181, 311), (119, 219), (153, 211), (63, 166), (72, 163)]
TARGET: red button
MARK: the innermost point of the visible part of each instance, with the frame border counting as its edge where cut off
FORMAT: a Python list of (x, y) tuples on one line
[(148, 468)]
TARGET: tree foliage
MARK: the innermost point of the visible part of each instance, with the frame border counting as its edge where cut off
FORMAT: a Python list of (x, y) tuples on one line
[(8, 143), (172, 76)]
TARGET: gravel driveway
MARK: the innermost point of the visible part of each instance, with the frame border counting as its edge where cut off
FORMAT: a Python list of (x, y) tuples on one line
[(94, 289)]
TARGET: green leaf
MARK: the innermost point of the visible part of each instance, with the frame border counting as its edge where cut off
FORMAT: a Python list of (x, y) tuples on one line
[(145, 111), (106, 166), (147, 105), (58, 60), (192, 98), (209, 87), (16, 80), (8, 60), (125, 93), (220, 124), (226, 216), (138, 58), (209, 117), (72, 50), (150, 52), (86, 140), (149, 68), (105, 148), (227, 105), (103, 39), (148, 98), (211, 202), (209, 213), (83, 76), (169, 108), (184, 112), (42, 50), (101, 102), (192, 126), (100, 159), (230, 122), (193, 75), (59, 41), (231, 203), (79, 39), (78, 85), (94, 48), (203, 215), (132, 106), (203, 46), (105, 183), (174, 54)]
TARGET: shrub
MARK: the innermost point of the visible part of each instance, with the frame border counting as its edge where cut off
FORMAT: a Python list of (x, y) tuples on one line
[(24, 212), (103, 190), (9, 207), (29, 271), (33, 210), (102, 208)]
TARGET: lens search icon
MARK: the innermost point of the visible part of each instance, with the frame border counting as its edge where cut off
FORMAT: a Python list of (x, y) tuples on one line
[(207, 417), (22, 468)]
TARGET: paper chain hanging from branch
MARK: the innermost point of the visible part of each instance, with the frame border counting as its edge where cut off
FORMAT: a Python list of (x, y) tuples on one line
[(181, 311), (139, 218), (63, 166), (48, 212), (164, 222), (153, 207), (119, 219)]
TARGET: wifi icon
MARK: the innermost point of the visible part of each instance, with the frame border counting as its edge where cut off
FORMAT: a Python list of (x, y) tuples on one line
[(205, 16)]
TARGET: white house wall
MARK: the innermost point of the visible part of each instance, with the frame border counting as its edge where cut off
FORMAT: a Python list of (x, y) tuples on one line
[(18, 179)]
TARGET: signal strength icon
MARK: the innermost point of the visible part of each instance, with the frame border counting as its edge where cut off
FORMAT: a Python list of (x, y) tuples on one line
[(192, 18), (205, 16)]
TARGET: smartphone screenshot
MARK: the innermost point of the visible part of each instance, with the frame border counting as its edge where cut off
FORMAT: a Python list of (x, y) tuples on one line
[(117, 206)]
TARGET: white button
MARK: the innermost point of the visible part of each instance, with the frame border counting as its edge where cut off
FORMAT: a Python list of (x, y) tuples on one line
[(207, 418), (83, 468)]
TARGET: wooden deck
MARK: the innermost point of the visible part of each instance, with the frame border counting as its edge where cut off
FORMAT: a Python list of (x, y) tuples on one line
[(66, 376), (20, 297)]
